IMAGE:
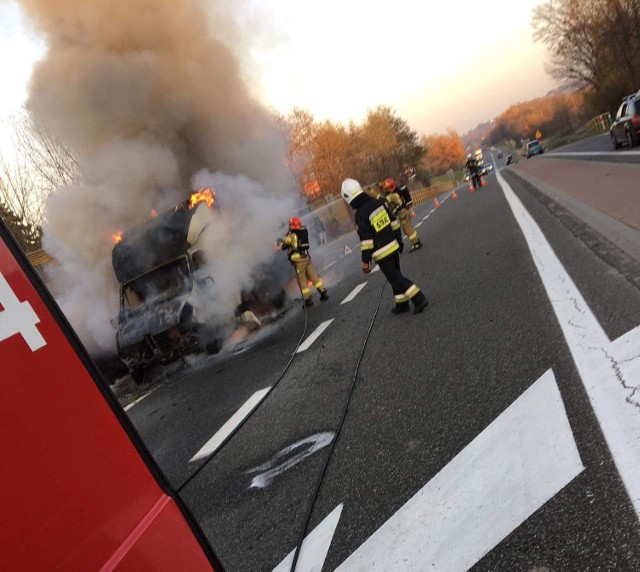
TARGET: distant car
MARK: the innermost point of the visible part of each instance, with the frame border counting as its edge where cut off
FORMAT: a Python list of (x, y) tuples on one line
[(626, 126), (500, 155), (510, 159), (534, 148), (488, 167)]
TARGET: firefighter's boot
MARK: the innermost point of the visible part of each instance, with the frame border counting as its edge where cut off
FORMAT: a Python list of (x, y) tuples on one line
[(401, 308), (324, 296), (308, 302), (420, 302)]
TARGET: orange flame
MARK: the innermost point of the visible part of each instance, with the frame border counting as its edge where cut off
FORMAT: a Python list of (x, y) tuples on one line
[(205, 195), (117, 237)]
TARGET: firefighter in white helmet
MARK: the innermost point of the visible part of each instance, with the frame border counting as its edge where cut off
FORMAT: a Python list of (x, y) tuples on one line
[(382, 243), (296, 243)]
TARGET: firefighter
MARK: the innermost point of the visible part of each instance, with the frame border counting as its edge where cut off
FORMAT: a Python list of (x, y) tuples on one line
[(296, 243), (400, 202), (382, 244), (474, 170)]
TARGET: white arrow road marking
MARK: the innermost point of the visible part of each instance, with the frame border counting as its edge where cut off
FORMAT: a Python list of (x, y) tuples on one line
[(18, 318), (500, 479), (354, 293), (314, 336), (238, 417), (315, 546), (610, 371)]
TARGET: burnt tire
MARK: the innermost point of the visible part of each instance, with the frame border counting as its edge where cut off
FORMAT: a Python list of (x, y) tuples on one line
[(138, 376)]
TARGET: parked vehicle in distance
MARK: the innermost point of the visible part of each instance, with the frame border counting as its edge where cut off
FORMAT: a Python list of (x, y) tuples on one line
[(534, 147), (488, 167), (509, 159), (500, 155), (626, 126)]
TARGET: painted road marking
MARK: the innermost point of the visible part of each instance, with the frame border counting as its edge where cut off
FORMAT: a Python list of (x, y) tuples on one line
[(518, 463), (283, 460), (610, 371), (314, 336), (594, 153), (354, 293), (141, 398), (238, 417), (328, 265), (18, 317), (315, 546), (375, 269), (419, 224)]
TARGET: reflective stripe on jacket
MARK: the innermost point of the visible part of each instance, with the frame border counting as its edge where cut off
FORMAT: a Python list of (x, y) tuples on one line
[(375, 224)]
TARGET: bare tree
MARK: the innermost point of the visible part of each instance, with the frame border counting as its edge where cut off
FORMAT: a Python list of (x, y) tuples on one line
[(593, 43), (35, 167)]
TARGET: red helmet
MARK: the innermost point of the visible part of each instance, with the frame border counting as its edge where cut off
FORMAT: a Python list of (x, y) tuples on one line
[(389, 185), (295, 223)]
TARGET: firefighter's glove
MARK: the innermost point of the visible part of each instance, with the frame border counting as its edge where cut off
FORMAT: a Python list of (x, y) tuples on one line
[(366, 268)]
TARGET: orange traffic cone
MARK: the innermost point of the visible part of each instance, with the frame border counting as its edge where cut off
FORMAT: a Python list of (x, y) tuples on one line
[(472, 189), (483, 183), (436, 203), (454, 195), (413, 213)]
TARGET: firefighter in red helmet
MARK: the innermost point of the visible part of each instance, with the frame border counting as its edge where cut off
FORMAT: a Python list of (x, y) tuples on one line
[(400, 202), (296, 243)]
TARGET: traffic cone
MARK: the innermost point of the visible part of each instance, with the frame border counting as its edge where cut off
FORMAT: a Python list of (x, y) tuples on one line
[(472, 189), (436, 203), (454, 195), (483, 183), (413, 213)]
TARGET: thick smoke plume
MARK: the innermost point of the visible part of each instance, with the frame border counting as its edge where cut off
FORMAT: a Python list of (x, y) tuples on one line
[(147, 97)]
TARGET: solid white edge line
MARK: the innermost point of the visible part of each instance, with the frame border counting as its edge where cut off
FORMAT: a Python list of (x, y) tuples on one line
[(610, 379), (353, 293), (314, 336), (212, 444)]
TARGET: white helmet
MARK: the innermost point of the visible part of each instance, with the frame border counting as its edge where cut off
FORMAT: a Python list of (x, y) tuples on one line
[(350, 189)]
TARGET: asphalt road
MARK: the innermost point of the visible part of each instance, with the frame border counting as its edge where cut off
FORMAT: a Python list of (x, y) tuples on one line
[(475, 436), (598, 148)]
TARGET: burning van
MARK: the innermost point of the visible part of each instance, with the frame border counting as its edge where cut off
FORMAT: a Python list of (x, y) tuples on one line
[(165, 288)]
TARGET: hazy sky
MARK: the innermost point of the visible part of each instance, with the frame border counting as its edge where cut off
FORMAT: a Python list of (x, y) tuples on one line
[(453, 63)]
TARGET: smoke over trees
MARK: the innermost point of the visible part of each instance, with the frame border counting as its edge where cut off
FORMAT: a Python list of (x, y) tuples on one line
[(144, 95)]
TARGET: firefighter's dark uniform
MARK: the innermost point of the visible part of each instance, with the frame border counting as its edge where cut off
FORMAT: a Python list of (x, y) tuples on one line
[(474, 170), (400, 203), (296, 243), (381, 241)]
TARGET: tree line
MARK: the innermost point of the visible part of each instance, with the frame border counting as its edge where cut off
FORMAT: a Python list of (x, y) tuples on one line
[(594, 44)]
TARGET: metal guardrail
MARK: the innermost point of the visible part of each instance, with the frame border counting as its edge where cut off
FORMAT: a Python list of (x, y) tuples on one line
[(599, 124)]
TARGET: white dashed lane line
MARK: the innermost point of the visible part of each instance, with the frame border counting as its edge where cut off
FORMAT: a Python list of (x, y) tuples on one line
[(328, 266), (314, 336), (376, 268), (354, 293), (238, 417)]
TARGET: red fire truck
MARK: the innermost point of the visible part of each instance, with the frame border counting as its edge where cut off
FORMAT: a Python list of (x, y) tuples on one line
[(80, 490)]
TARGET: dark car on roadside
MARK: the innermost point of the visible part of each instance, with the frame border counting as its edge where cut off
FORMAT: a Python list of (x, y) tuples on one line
[(510, 159), (534, 147), (626, 126)]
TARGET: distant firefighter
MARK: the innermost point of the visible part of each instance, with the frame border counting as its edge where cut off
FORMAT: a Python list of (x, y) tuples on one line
[(380, 242), (296, 243)]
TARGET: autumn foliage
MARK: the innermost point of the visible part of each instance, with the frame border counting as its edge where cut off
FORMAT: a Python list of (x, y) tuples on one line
[(444, 152), (323, 153)]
